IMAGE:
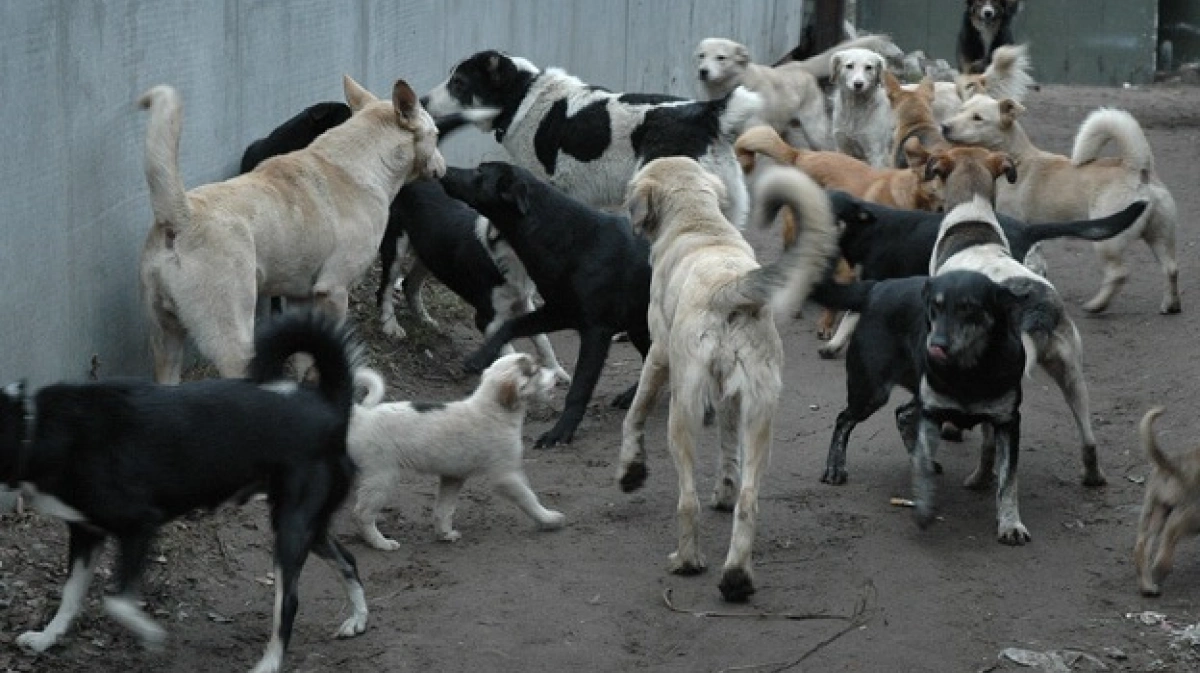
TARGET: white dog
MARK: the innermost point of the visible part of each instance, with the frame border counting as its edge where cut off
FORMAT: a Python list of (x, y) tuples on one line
[(304, 226), (862, 116), (793, 103), (480, 435)]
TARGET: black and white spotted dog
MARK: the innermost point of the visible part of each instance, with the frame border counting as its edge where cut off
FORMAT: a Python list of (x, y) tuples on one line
[(589, 141)]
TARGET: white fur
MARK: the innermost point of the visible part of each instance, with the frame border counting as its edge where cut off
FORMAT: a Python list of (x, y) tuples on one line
[(477, 436), (862, 116), (125, 610), (73, 595)]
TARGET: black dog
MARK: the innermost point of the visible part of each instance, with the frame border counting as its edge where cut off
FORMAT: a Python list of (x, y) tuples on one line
[(122, 458), (295, 133), (986, 25), (592, 272)]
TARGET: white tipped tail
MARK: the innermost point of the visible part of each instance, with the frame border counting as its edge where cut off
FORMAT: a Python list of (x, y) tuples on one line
[(373, 382), (1120, 127), (741, 106), (167, 195)]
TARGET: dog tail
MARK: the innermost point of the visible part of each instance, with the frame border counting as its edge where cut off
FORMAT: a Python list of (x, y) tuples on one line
[(333, 348), (1007, 76), (820, 66), (736, 111), (1119, 126), (1150, 445), (785, 283), (371, 380), (1089, 230), (842, 296), (766, 141), (168, 198)]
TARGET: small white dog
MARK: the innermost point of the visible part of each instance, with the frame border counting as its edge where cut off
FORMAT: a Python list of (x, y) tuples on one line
[(480, 435), (862, 117)]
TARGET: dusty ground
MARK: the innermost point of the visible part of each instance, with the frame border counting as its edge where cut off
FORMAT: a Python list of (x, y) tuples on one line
[(591, 597)]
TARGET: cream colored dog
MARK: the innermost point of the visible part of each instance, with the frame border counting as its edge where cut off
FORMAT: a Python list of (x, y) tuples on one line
[(712, 324), (478, 436), (304, 225), (1051, 187)]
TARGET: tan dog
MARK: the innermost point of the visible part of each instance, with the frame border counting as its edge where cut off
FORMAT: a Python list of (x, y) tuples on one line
[(1053, 187), (967, 172), (1170, 511), (304, 226), (913, 111), (1007, 76), (714, 340)]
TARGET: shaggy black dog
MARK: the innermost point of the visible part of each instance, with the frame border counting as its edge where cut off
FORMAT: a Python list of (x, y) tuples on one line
[(986, 25)]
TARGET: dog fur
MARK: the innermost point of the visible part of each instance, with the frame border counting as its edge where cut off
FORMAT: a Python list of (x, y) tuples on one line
[(862, 118), (592, 272), (477, 436), (986, 26), (912, 110), (714, 340), (304, 226), (1053, 187), (588, 141), (1007, 76), (121, 458), (793, 103), (821, 66), (295, 133), (1170, 511)]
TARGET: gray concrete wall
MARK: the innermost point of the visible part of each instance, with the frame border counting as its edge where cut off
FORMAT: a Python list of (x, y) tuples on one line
[(73, 202)]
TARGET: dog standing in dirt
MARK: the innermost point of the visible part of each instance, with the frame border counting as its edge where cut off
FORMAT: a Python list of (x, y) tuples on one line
[(714, 340), (1171, 509), (986, 26), (304, 226), (862, 117)]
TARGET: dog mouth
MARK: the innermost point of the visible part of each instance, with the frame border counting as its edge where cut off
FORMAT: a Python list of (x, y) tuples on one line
[(938, 354)]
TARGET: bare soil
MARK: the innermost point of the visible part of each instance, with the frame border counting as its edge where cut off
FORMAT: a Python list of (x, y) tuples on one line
[(591, 597)]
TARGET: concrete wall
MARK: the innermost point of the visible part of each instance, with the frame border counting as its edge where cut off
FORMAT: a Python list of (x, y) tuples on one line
[(73, 202)]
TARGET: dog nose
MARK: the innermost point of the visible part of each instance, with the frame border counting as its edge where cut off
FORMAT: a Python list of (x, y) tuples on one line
[(703, 73), (424, 101), (988, 13), (858, 86), (946, 131)]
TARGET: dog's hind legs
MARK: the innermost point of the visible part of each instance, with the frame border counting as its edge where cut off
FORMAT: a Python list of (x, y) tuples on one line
[(372, 496), (293, 539), (1163, 247), (631, 470), (682, 428), (1150, 525), (330, 550), (1063, 361), (412, 285), (1009, 529), (123, 606), (729, 473), (737, 578), (444, 505), (515, 487), (1115, 274), (84, 549), (1180, 522)]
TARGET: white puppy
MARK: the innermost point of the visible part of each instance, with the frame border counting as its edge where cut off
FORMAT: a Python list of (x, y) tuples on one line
[(480, 435), (862, 117)]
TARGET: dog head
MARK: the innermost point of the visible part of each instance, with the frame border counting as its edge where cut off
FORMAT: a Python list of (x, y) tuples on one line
[(13, 405), (499, 190), (667, 186), (720, 64), (983, 121), (854, 219), (965, 311), (988, 13), (402, 115), (489, 82), (857, 71), (969, 171), (515, 379)]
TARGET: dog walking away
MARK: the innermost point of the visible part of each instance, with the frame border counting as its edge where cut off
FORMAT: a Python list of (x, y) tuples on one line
[(304, 226), (478, 436), (986, 26), (1170, 511), (588, 141), (714, 340), (1054, 187), (120, 459), (592, 272)]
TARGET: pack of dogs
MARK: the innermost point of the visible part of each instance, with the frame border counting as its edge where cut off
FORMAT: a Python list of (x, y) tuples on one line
[(916, 208)]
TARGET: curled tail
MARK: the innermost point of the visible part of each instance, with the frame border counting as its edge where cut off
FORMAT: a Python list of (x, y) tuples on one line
[(167, 195), (1150, 444), (1090, 230), (1007, 76), (1119, 126), (766, 141), (332, 347), (736, 111), (785, 283), (373, 382)]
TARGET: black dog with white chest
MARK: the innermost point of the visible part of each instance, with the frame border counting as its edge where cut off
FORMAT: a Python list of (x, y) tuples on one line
[(121, 458), (592, 272), (986, 26)]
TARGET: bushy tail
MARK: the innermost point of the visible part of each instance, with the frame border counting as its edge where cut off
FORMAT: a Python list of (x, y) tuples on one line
[(1088, 230), (785, 283), (1150, 444), (819, 66), (333, 349), (1119, 126), (766, 141), (1007, 76), (373, 382), (737, 109), (167, 195)]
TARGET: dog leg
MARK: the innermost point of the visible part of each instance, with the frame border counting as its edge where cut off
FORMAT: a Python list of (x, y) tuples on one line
[(84, 549), (389, 274), (1163, 247), (1115, 275), (545, 351), (1180, 522), (729, 475), (443, 508), (1150, 526), (682, 428), (373, 490), (924, 488), (631, 473), (412, 285), (594, 343), (640, 339), (1009, 528), (292, 534), (737, 578), (515, 487), (123, 606), (840, 338), (541, 321), (1063, 361), (982, 477), (342, 561)]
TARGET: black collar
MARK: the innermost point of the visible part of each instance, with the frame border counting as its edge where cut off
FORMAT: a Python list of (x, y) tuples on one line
[(501, 122)]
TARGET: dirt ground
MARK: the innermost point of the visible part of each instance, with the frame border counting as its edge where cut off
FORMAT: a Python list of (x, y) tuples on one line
[(591, 597)]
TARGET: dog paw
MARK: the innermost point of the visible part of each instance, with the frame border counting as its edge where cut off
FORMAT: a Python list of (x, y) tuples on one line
[(737, 585), (36, 641), (1170, 306), (354, 626), (553, 437), (1094, 478), (384, 544), (452, 536), (633, 477), (552, 521), (923, 514), (1150, 589), (477, 362), (561, 376), (625, 399), (828, 353), (679, 565), (834, 476), (725, 495), (1095, 305), (1014, 534), (392, 328)]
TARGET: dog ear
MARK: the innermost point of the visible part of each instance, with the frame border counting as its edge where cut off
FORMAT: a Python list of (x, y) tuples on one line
[(741, 54), (1009, 111), (404, 99), (500, 69), (835, 64), (356, 96), (641, 207), (508, 395), (1000, 163), (927, 88), (939, 165)]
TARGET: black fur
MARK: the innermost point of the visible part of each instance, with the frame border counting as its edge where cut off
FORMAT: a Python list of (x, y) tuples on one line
[(295, 133), (973, 55), (584, 136), (131, 455), (592, 272), (490, 79), (684, 130), (426, 407)]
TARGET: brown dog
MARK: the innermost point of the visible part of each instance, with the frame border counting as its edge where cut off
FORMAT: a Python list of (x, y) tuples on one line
[(304, 225), (966, 172), (913, 111), (1170, 510)]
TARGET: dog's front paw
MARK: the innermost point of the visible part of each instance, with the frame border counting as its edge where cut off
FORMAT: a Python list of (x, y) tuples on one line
[(561, 376), (37, 641), (450, 536), (834, 476), (1014, 534), (632, 477), (552, 521), (923, 514), (828, 352), (1096, 304), (680, 565), (737, 585), (392, 328), (354, 626), (1170, 306), (385, 544), (553, 437)]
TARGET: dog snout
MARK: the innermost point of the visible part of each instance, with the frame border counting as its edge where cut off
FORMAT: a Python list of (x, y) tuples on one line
[(859, 85), (703, 73), (988, 12), (424, 100), (946, 131), (436, 166)]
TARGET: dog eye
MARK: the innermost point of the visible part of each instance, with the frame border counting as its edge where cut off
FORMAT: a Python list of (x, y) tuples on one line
[(720, 58), (978, 118), (868, 68)]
